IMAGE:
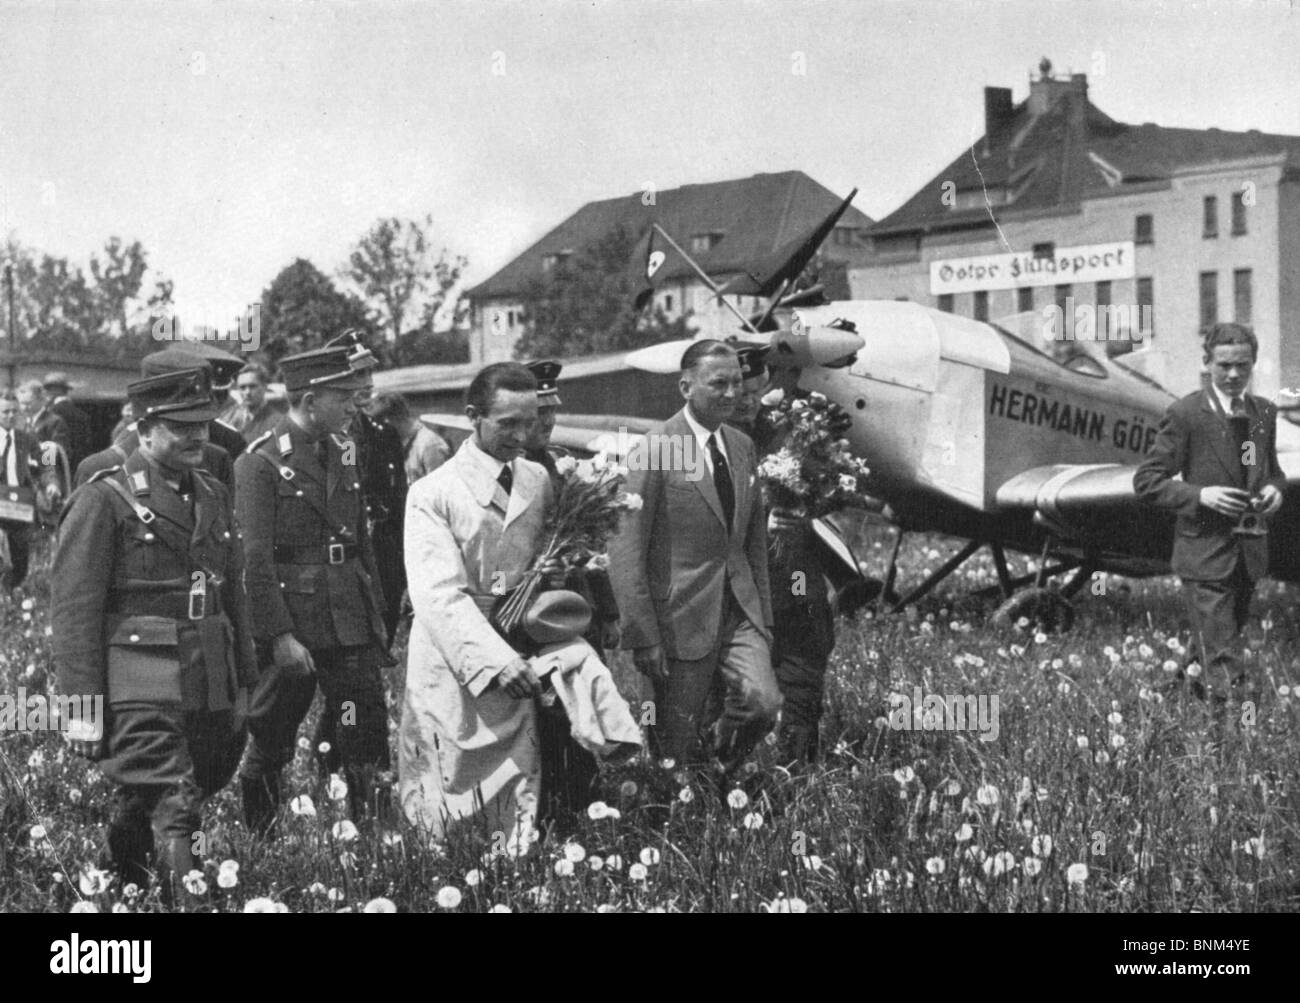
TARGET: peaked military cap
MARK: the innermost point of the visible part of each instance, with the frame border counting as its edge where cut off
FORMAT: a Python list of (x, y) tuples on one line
[(753, 360), (547, 372), (187, 356), (183, 395), (337, 367)]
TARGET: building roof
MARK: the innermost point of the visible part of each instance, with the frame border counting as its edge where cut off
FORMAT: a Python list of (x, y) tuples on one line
[(754, 216), (1056, 149)]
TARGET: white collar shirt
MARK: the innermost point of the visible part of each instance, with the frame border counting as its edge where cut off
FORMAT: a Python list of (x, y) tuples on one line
[(702, 440)]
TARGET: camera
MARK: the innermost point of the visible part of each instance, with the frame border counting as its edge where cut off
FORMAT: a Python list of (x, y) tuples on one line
[(1251, 522)]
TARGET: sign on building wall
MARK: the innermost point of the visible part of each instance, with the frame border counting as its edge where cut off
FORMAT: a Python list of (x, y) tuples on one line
[(1067, 265)]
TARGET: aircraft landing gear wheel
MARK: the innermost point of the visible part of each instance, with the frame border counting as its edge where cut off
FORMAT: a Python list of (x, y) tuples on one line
[(1045, 610), (858, 594)]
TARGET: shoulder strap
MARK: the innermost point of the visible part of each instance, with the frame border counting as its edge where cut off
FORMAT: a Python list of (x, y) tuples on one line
[(286, 473), (163, 529)]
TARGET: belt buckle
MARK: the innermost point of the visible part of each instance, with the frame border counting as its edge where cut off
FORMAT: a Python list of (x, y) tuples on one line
[(336, 553)]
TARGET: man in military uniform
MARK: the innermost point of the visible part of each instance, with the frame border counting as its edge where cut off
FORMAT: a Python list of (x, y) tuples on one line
[(804, 632), (150, 615), (382, 464), (219, 452), (313, 585)]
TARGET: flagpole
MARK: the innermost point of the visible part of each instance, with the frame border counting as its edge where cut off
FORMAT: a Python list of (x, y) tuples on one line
[(705, 276)]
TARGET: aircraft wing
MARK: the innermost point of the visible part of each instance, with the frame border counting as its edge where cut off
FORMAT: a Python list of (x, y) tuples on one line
[(1070, 486)]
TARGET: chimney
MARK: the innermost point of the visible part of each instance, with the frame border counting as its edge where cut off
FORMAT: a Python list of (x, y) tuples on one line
[(1047, 90), (998, 110)]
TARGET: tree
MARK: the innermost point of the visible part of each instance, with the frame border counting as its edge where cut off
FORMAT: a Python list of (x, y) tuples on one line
[(302, 309), (583, 305), (118, 281), (394, 268)]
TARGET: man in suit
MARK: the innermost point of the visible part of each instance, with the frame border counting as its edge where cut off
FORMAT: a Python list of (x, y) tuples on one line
[(28, 480), (1222, 441), (314, 588), (689, 570), (41, 421), (56, 387), (150, 616), (218, 459)]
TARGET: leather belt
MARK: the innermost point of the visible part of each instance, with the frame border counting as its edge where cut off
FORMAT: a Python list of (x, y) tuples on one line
[(172, 605), (324, 553)]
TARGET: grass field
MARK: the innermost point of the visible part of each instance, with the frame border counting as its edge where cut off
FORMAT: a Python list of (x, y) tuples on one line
[(1108, 787)]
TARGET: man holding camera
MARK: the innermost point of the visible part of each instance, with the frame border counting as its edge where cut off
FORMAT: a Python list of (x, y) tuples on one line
[(1222, 441)]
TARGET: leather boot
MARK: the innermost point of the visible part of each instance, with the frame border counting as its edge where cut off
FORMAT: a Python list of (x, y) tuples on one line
[(129, 844), (175, 860), (261, 797)]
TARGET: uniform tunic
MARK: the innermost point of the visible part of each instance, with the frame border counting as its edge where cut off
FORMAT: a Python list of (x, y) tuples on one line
[(465, 746)]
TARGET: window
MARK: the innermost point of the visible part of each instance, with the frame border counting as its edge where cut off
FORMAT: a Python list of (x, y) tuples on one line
[(1025, 299), (982, 305), (1047, 250), (844, 236), (1209, 298), (1146, 307), (551, 261), (1144, 229), (945, 302), (668, 303), (1211, 214), (1241, 295), (702, 242), (1238, 213)]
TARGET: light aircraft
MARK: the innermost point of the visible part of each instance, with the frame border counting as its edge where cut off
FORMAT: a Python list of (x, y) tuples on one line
[(970, 430)]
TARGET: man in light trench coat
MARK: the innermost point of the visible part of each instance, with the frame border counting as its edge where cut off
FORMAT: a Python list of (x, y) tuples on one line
[(468, 739)]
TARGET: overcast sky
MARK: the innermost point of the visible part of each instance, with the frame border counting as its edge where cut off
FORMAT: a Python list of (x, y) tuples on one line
[(231, 138)]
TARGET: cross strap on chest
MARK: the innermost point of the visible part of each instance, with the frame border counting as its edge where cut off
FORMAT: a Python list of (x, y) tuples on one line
[(286, 473)]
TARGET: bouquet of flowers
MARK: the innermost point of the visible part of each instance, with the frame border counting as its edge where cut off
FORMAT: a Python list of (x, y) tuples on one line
[(589, 502), (814, 472)]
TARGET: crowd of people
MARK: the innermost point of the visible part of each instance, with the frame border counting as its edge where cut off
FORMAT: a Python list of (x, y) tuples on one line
[(225, 559)]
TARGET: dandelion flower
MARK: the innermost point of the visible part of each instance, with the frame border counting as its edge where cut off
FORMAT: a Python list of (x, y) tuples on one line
[(1081, 741), (337, 788), (752, 820), (1145, 650), (380, 904), (316, 888), (1117, 741), (1284, 690), (1040, 638), (904, 775), (1003, 862), (614, 862), (686, 795), (94, 881), (564, 868), (302, 805), (595, 863), (304, 743), (575, 852), (597, 810), (953, 788), (500, 908), (83, 906), (1032, 866), (737, 798), (229, 865), (798, 905), (1102, 757), (1041, 845), (1193, 670), (637, 872), (1077, 874), (668, 763), (935, 866), (194, 883), (227, 879), (628, 788), (260, 905), (964, 832), (987, 794), (344, 831), (449, 897), (649, 856), (1255, 847)]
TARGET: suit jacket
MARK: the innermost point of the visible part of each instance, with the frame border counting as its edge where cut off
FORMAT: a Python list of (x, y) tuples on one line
[(463, 741), (78, 428), (32, 467), (121, 594), (280, 492), (216, 461), (1194, 440), (671, 560), (49, 427)]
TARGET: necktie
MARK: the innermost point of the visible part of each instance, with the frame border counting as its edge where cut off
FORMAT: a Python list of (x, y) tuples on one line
[(4, 457), (722, 481), (1240, 423), (506, 479)]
